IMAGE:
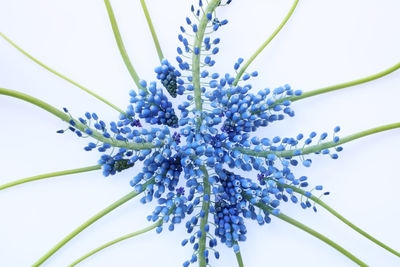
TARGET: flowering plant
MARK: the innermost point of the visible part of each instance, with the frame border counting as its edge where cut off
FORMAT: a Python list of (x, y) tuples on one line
[(199, 161)]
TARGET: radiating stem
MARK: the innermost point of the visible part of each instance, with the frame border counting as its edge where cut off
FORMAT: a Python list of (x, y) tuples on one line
[(65, 117), (153, 32), (213, 4), (204, 220), (321, 237), (122, 238), (270, 38), (344, 220), (62, 76), (344, 85), (48, 175), (322, 146), (313, 233), (89, 222), (121, 46)]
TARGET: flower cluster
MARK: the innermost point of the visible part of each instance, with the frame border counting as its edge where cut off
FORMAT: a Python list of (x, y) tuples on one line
[(169, 77), (116, 163), (152, 105), (202, 163), (212, 139)]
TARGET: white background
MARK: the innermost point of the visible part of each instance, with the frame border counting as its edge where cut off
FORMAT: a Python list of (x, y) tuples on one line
[(324, 43)]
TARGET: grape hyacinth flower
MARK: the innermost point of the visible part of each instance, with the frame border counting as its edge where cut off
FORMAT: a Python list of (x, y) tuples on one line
[(205, 149)]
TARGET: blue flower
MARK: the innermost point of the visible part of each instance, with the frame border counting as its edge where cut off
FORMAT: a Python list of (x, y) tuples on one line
[(194, 166)]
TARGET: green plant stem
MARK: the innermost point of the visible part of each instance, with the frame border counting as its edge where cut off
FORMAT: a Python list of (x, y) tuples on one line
[(343, 85), (89, 222), (122, 238), (270, 38), (239, 259), (344, 220), (313, 233), (65, 117), (152, 30), (48, 175), (322, 146), (213, 4), (121, 46), (62, 76), (321, 237), (204, 220)]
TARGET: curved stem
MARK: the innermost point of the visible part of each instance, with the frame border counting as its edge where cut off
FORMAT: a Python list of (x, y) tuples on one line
[(360, 231), (82, 127), (89, 222), (48, 175), (213, 4), (204, 220), (62, 76), (313, 233), (344, 220), (121, 45), (321, 237), (153, 32), (322, 146), (122, 238), (344, 85), (270, 38)]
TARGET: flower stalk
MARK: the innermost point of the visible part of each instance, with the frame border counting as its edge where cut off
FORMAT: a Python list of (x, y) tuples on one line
[(63, 116), (204, 220), (213, 4), (121, 46), (120, 239), (312, 232), (270, 38), (50, 175), (343, 219), (89, 222), (322, 146), (335, 87), (239, 259), (62, 76), (152, 30)]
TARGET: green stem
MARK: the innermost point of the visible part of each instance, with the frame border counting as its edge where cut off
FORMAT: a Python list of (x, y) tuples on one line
[(89, 222), (313, 233), (62, 76), (270, 38), (344, 85), (321, 237), (121, 46), (239, 259), (213, 4), (48, 175), (322, 146), (344, 220), (204, 220), (65, 117), (153, 32), (122, 238)]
